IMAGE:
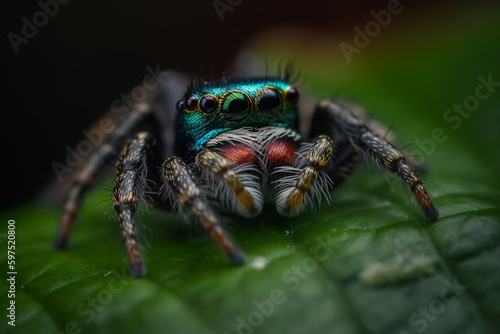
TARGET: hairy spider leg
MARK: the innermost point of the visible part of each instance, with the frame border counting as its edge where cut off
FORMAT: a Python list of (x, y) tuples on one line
[(130, 184), (241, 191), (180, 181), (338, 115), (96, 164), (346, 156), (307, 181)]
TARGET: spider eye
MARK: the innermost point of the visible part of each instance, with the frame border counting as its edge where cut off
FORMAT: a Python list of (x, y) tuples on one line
[(191, 103), (236, 106), (181, 105), (269, 102), (208, 104), (292, 96)]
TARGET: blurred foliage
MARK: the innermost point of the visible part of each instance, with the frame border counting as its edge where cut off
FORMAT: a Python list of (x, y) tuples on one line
[(369, 263)]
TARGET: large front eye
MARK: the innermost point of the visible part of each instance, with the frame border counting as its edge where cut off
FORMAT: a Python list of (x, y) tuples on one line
[(269, 102), (236, 106)]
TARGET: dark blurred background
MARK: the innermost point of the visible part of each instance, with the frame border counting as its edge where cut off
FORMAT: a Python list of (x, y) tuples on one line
[(91, 52)]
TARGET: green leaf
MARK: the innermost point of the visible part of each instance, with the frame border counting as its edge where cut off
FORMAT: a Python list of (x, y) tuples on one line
[(368, 263)]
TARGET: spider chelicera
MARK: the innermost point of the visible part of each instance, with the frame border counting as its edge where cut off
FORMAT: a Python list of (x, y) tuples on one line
[(235, 143)]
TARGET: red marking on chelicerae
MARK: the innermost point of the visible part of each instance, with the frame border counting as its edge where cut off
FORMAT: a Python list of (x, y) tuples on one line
[(238, 153), (281, 152)]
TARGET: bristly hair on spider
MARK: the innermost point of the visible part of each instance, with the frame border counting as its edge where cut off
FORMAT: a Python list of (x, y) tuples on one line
[(291, 74), (229, 146)]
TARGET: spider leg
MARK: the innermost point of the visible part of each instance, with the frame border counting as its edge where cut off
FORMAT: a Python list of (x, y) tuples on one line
[(242, 191), (339, 117), (306, 180), (95, 165), (180, 181), (130, 184)]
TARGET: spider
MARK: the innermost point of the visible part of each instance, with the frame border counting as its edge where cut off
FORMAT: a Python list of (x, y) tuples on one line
[(231, 145)]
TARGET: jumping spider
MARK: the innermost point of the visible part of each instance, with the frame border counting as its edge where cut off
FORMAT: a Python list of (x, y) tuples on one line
[(235, 142)]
